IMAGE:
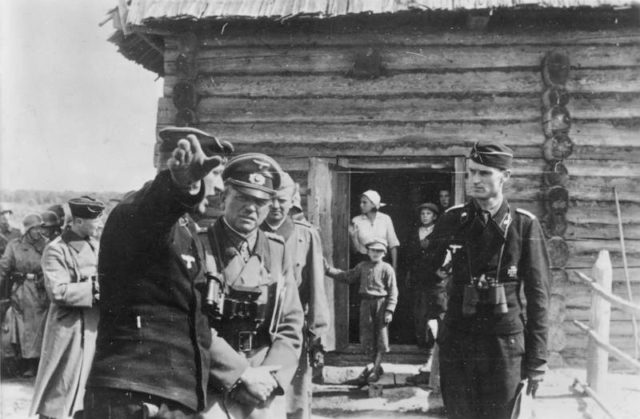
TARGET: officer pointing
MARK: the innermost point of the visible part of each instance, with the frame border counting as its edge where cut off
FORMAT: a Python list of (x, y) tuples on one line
[(490, 340), (155, 349)]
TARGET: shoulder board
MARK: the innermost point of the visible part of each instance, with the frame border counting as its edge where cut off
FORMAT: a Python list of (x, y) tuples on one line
[(302, 223), (455, 207), (275, 237), (525, 212)]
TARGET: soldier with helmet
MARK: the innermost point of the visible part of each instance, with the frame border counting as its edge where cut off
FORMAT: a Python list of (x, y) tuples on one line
[(493, 254), (303, 243), (20, 270), (69, 264), (259, 312), (51, 226)]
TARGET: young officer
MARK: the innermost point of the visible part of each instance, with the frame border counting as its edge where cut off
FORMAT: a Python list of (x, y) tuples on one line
[(379, 296), (490, 340)]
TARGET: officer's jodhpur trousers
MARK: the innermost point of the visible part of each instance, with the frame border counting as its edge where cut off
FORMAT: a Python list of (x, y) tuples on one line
[(479, 373)]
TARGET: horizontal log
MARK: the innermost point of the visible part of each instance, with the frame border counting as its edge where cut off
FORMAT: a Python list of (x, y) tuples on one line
[(618, 280), (340, 59), (580, 81), (601, 230), (581, 189), (595, 138), (466, 107), (580, 294), (405, 35), (619, 329), (585, 211), (581, 167)]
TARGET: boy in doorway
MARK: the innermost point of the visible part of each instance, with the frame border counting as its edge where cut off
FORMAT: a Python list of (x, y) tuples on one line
[(379, 296)]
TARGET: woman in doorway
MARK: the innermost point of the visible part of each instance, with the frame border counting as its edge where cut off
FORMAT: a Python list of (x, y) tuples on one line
[(372, 224)]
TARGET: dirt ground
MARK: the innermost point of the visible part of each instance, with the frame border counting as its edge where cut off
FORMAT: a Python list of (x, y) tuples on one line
[(555, 398)]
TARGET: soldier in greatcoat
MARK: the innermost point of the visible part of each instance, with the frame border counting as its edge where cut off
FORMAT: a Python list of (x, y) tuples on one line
[(494, 255), (7, 232), (156, 352), (303, 242), (20, 269), (261, 315), (70, 267)]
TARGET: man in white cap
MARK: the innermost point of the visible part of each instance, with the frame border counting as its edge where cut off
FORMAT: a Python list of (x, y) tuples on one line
[(303, 243), (373, 224)]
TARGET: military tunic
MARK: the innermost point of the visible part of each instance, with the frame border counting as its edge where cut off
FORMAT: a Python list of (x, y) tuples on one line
[(278, 339), (153, 337), (484, 355), (69, 262), (6, 236), (29, 302), (303, 242)]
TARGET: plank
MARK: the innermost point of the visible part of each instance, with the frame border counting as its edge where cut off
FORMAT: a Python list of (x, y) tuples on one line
[(580, 81), (407, 109), (581, 189), (273, 60), (585, 212)]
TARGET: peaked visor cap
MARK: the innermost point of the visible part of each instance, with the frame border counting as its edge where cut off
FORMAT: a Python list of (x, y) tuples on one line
[(492, 154), (253, 174), (86, 207), (377, 244)]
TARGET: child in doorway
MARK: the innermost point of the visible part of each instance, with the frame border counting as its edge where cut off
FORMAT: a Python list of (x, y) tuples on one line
[(379, 295)]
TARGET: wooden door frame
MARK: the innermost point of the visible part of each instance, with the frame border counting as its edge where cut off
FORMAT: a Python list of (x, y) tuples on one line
[(329, 185)]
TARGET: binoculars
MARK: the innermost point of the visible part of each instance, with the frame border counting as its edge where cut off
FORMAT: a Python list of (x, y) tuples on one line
[(485, 292)]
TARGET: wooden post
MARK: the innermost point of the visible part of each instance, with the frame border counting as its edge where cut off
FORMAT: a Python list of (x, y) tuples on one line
[(598, 358)]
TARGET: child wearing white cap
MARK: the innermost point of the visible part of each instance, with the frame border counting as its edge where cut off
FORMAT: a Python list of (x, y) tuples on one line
[(379, 296)]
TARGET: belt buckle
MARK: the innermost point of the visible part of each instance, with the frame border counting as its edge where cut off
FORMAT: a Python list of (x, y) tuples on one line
[(245, 340)]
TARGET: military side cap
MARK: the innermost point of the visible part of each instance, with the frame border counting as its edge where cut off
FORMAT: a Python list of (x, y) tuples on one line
[(169, 137), (492, 154), (254, 174), (377, 244), (430, 206), (86, 207), (50, 219), (30, 221), (5, 211)]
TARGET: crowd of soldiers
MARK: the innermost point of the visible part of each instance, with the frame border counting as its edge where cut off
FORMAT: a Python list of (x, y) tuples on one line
[(172, 315)]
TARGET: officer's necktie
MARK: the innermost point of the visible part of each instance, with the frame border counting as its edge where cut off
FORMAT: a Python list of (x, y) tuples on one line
[(244, 251)]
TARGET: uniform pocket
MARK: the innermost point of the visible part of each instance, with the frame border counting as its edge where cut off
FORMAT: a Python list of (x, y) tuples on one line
[(513, 344)]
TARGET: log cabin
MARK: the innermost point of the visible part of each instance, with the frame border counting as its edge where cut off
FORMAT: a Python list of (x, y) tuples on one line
[(391, 94)]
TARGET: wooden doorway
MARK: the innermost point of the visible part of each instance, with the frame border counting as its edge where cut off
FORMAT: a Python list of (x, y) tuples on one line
[(403, 182)]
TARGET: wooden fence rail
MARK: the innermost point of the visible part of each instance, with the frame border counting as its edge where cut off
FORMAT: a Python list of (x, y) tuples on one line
[(599, 349), (618, 302)]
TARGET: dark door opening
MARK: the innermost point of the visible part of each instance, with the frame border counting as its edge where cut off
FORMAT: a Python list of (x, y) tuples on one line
[(402, 191)]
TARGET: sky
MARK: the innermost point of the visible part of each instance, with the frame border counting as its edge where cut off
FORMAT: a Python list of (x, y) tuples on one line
[(74, 113)]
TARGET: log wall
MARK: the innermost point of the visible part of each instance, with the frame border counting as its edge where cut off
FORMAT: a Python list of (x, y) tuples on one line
[(289, 95)]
